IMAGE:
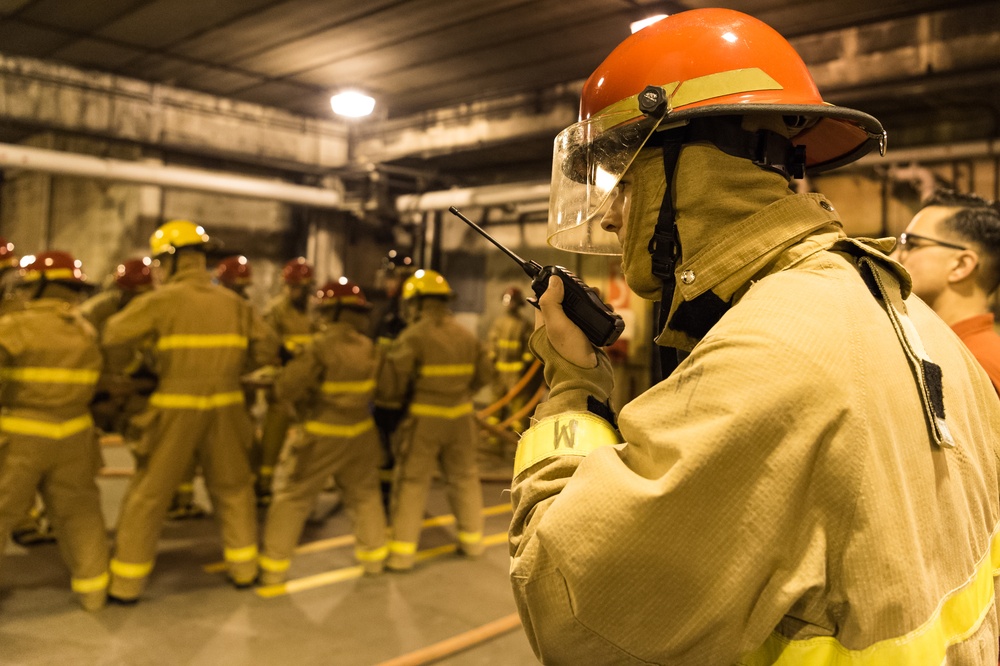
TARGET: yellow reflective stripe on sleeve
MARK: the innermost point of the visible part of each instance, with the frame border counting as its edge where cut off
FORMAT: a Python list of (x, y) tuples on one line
[(569, 434), (277, 566), (470, 537), (293, 342), (203, 341), (509, 344), (348, 387), (126, 570), (334, 430), (509, 366), (376, 555), (247, 554), (95, 584), (402, 547), (453, 370), (50, 375), (957, 617), (455, 412), (185, 401), (60, 430)]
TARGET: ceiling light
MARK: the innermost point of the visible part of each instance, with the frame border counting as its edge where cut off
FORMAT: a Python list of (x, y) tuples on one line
[(636, 26), (352, 103)]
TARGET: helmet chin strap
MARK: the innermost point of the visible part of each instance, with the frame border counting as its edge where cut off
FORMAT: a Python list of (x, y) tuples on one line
[(764, 148), (664, 249)]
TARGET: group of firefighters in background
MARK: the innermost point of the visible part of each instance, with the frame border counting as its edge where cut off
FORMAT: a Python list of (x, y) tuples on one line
[(172, 356)]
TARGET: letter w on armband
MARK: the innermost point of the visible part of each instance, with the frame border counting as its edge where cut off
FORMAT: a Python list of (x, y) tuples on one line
[(567, 434)]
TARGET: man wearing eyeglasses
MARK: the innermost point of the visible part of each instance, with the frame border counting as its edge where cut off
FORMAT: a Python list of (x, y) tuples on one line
[(951, 249)]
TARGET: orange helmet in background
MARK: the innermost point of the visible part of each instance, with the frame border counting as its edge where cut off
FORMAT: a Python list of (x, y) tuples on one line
[(512, 295), (234, 271), (7, 257), (297, 272), (134, 275), (53, 266), (342, 293)]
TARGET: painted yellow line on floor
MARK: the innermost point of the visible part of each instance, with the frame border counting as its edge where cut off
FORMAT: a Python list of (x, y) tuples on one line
[(348, 539), (348, 573)]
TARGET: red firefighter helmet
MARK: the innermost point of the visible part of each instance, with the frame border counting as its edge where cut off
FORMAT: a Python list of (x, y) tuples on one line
[(512, 295), (693, 64), (297, 272), (134, 275), (7, 257), (53, 266), (343, 293), (234, 271)]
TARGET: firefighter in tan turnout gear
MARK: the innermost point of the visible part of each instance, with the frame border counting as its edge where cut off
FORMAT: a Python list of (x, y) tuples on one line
[(816, 481), (288, 314), (433, 369), (508, 347), (334, 377), (204, 338), (49, 366)]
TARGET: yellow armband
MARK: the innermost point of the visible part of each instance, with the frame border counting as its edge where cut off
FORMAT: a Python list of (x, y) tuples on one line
[(568, 434)]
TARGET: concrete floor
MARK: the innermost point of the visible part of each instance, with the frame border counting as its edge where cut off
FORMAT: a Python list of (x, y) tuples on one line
[(328, 615)]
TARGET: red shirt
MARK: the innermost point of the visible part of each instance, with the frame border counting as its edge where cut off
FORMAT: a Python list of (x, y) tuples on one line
[(978, 335)]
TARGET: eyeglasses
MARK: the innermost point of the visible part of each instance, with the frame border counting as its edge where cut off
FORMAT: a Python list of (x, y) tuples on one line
[(909, 242)]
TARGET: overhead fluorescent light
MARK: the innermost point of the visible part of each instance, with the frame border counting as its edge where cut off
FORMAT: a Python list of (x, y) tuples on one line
[(352, 104), (636, 26)]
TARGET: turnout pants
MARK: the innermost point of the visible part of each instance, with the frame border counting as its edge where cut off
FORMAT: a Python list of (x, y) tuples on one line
[(63, 471), (221, 436), (303, 471), (425, 443)]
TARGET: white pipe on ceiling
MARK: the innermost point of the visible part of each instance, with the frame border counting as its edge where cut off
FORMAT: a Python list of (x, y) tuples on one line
[(74, 164), (947, 152), (490, 195)]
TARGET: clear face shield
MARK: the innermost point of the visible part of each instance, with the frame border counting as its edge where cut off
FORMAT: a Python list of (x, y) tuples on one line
[(589, 160)]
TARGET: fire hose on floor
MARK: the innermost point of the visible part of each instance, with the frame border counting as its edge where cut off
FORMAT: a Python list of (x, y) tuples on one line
[(503, 430)]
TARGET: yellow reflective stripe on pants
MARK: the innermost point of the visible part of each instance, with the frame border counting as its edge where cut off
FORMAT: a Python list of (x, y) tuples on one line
[(470, 537), (186, 401), (50, 375), (509, 366), (222, 341), (376, 555), (509, 344), (348, 387), (402, 547), (418, 409), (95, 584), (246, 554), (452, 370), (956, 618), (569, 434), (127, 570), (17, 425), (332, 430), (268, 564)]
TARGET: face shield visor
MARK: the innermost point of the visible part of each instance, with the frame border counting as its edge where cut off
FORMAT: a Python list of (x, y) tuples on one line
[(589, 160)]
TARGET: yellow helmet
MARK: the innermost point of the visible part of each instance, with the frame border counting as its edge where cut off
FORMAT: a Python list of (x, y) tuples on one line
[(425, 283), (174, 235)]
